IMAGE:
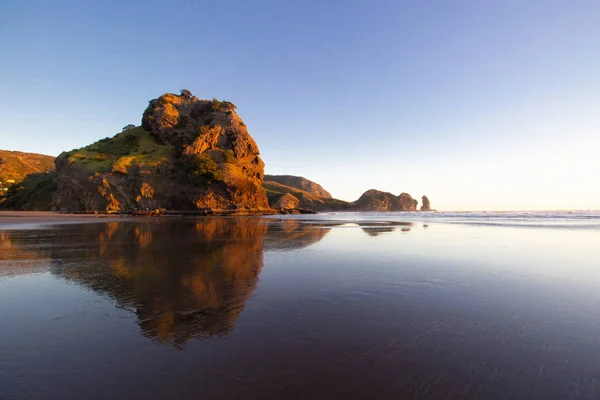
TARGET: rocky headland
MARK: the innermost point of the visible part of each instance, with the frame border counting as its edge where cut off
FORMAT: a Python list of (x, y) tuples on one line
[(188, 156), (301, 193)]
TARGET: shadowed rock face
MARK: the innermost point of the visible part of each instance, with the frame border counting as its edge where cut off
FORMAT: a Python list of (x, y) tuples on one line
[(301, 183), (15, 168), (375, 200), (189, 154), (426, 205), (182, 278)]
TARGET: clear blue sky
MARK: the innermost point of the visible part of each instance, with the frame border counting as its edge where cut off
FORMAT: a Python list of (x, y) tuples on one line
[(478, 104)]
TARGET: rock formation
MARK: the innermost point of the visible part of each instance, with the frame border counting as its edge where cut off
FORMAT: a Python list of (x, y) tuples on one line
[(375, 200), (280, 192), (189, 154), (426, 205)]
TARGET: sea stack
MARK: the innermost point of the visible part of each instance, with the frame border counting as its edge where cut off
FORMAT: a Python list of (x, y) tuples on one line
[(426, 206)]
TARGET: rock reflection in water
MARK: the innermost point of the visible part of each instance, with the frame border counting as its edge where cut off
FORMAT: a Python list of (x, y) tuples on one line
[(21, 253), (377, 228), (183, 279)]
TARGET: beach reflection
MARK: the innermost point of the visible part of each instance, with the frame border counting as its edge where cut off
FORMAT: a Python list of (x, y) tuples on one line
[(359, 309), (183, 280)]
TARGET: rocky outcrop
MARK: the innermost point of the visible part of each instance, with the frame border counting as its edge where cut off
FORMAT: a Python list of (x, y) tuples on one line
[(375, 200), (426, 206), (301, 183), (189, 154)]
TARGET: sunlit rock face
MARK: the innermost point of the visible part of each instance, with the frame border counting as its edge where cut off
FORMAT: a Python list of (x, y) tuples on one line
[(189, 154), (182, 278)]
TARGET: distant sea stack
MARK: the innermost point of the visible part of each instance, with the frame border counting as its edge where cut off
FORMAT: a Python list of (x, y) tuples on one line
[(426, 206)]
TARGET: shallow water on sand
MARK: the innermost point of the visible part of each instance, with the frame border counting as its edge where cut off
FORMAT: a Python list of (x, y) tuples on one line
[(384, 307)]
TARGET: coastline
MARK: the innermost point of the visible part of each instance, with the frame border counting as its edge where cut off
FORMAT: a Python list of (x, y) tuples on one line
[(9, 218)]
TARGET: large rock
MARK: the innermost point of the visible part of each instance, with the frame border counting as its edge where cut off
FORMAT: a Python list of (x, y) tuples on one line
[(426, 206), (189, 154)]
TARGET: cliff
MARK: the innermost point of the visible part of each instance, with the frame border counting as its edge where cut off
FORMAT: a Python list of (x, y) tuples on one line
[(189, 154)]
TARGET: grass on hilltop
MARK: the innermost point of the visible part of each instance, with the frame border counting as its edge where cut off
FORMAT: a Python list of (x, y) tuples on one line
[(134, 146)]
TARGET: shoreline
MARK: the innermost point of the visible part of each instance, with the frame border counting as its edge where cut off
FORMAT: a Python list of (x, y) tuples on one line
[(12, 218)]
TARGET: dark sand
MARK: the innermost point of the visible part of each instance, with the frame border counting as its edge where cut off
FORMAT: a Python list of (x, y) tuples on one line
[(257, 308), (10, 218)]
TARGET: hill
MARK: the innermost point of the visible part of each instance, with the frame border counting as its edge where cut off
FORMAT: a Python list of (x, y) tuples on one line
[(188, 154), (301, 183), (16, 165), (25, 173), (287, 197)]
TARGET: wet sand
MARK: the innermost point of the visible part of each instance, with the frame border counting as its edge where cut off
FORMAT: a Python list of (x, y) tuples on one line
[(19, 218), (260, 308)]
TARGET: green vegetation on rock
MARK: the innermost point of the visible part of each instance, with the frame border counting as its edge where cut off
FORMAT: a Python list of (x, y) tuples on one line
[(34, 193), (131, 147), (16, 165)]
